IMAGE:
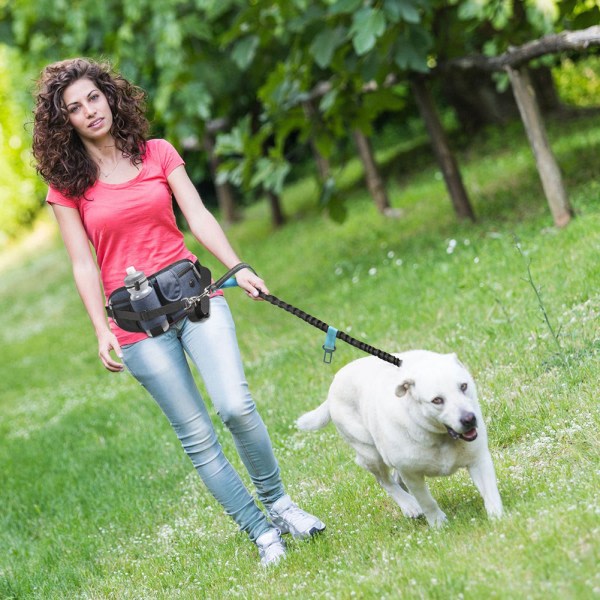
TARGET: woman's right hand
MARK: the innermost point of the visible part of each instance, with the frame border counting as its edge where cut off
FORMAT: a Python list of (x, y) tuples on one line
[(107, 341)]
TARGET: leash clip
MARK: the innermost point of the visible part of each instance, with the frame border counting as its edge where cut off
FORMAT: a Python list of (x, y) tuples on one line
[(329, 345), (192, 301)]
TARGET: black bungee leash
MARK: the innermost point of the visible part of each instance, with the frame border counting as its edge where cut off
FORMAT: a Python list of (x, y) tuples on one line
[(332, 333)]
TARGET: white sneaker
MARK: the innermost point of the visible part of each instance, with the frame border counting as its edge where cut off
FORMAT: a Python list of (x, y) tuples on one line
[(270, 547), (288, 518)]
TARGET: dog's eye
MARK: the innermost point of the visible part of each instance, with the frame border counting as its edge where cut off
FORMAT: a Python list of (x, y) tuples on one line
[(463, 387), (438, 400)]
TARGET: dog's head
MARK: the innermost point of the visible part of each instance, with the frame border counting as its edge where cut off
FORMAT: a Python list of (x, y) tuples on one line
[(442, 395)]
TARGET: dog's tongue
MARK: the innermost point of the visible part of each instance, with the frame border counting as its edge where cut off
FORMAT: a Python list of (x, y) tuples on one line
[(469, 436)]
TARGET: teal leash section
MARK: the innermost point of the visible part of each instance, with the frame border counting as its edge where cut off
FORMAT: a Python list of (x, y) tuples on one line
[(329, 345)]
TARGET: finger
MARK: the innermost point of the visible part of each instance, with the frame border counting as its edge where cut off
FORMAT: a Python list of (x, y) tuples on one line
[(259, 284), (109, 362), (117, 349)]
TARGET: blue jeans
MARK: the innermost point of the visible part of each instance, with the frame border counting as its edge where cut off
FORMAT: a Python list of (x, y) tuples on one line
[(161, 366)]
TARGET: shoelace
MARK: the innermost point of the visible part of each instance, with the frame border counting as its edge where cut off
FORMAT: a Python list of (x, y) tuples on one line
[(293, 512)]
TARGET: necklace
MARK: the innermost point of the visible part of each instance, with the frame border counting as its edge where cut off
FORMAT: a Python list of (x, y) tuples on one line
[(106, 175)]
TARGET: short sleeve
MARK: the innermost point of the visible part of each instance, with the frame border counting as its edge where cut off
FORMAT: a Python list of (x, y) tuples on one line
[(55, 197), (169, 157)]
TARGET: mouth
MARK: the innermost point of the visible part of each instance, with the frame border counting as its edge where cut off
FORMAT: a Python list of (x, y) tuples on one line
[(467, 436), (95, 123)]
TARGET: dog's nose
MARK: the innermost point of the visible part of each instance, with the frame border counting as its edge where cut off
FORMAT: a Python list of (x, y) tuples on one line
[(469, 420)]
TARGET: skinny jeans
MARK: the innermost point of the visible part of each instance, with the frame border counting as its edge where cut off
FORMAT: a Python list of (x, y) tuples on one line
[(160, 364)]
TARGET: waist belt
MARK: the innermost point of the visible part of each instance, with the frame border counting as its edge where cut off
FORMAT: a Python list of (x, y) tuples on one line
[(174, 285)]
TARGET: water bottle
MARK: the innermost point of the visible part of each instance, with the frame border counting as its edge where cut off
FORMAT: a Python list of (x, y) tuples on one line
[(143, 297)]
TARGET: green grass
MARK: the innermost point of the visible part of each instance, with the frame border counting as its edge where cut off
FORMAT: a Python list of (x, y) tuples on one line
[(99, 501)]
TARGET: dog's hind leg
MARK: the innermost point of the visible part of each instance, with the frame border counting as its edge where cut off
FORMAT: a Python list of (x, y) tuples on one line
[(374, 464), (484, 477)]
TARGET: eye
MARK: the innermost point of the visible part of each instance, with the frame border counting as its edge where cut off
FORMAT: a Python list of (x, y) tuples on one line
[(437, 400), (94, 97), (74, 109), (463, 387)]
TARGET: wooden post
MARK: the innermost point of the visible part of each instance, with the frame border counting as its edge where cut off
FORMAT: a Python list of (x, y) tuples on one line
[(548, 168), (441, 149)]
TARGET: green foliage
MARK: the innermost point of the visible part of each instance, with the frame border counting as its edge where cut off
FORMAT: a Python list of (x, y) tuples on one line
[(20, 189), (578, 81)]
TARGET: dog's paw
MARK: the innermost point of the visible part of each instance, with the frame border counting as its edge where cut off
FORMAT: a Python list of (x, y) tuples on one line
[(411, 508), (495, 513), (436, 520)]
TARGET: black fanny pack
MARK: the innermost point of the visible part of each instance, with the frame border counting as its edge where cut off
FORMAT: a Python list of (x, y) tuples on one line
[(174, 286)]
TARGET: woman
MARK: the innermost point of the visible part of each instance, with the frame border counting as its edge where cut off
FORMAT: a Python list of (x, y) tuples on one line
[(111, 186)]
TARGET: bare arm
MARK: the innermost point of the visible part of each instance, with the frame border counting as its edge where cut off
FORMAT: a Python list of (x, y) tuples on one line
[(85, 273), (208, 232)]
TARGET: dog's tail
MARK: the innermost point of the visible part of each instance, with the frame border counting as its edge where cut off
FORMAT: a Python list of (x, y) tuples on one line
[(315, 419)]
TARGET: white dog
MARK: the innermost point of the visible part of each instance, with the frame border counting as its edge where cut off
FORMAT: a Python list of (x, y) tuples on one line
[(405, 423)]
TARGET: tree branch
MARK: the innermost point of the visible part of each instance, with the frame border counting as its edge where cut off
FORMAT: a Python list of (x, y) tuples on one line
[(518, 55)]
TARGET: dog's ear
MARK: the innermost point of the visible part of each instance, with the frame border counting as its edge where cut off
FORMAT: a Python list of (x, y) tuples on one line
[(403, 388), (456, 359)]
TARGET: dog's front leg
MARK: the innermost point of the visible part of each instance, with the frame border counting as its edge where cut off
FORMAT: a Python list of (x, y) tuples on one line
[(418, 488), (484, 477)]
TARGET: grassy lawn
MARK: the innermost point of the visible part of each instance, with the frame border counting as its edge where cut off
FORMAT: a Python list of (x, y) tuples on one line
[(99, 501)]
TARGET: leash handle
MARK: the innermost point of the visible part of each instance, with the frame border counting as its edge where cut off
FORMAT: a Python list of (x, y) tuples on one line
[(231, 282), (226, 279)]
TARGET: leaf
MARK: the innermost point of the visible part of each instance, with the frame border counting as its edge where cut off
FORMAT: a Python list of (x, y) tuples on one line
[(333, 201), (324, 144), (367, 25), (409, 13), (270, 174), (325, 44), (328, 100), (341, 7), (411, 49), (244, 51)]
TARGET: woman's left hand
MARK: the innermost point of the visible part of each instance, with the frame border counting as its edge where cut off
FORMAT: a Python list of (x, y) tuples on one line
[(251, 283)]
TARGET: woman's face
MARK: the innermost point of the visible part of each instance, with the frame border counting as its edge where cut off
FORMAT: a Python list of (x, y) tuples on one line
[(88, 109)]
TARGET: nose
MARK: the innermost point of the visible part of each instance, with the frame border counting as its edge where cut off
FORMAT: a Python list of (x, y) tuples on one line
[(468, 420)]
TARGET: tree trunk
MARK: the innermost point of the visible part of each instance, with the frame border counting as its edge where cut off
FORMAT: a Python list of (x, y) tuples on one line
[(225, 195), (323, 166), (373, 177), (441, 148), (546, 163), (277, 216)]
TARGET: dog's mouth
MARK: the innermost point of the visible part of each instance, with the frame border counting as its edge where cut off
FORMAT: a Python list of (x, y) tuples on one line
[(467, 436)]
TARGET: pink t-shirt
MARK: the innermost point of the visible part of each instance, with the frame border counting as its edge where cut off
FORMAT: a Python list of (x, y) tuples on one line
[(132, 223)]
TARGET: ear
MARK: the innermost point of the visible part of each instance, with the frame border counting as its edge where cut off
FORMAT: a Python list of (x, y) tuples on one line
[(456, 359), (403, 388)]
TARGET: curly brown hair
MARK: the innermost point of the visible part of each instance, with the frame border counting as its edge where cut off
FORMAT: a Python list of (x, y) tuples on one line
[(61, 158)]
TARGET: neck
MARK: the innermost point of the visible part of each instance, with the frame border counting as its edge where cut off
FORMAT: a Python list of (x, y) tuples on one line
[(104, 149)]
